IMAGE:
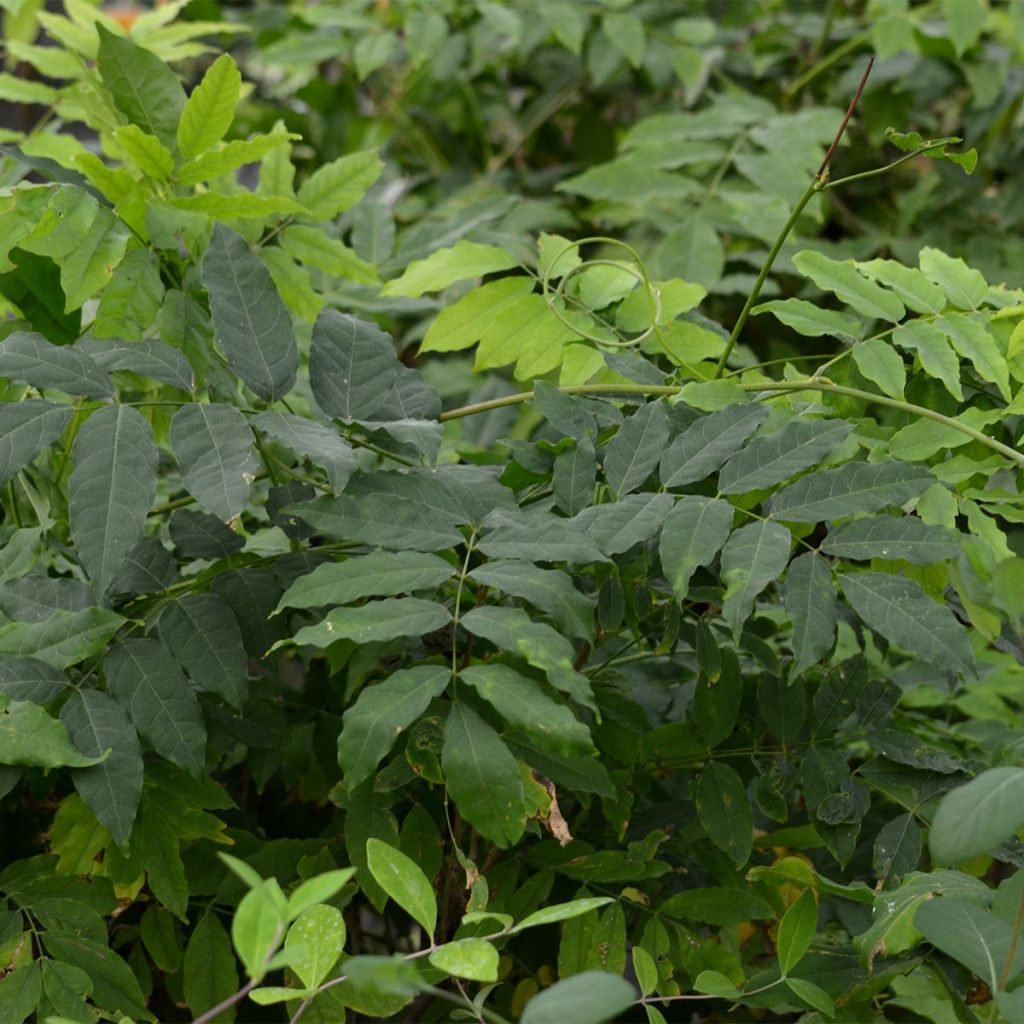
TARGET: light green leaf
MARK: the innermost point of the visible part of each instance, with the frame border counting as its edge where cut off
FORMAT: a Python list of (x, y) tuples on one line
[(462, 261), (230, 157), (400, 877), (201, 632), (30, 357), (708, 442), (147, 152), (812, 321), (258, 927), (556, 256), (315, 942), (462, 324), (767, 461), (379, 574), (526, 707), (974, 818), (674, 297), (210, 973), (965, 287), (318, 889), (692, 536), (626, 33), (111, 489), (128, 307), (474, 959), (111, 789), (593, 996), (550, 590), (214, 448), (899, 610), (922, 438), (86, 269), (972, 341), (377, 620), (724, 811), (309, 245), (239, 204), (877, 360), (26, 429), (636, 449), (810, 599), (142, 677), (352, 366), (209, 111), (938, 360), (813, 995), (29, 736), (482, 777), (753, 556), (561, 912), (381, 713), (293, 283), (142, 86), (842, 279), (908, 283), (796, 930), (905, 537), (339, 185), (250, 320), (714, 983), (850, 489)]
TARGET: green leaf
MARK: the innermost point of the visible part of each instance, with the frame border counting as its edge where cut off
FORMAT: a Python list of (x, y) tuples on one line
[(482, 777), (474, 959), (782, 706), (708, 442), (753, 556), (626, 33), (315, 942), (26, 429), (309, 245), (541, 539), (111, 489), (550, 590), (258, 927), (813, 995), (796, 931), (157, 931), (34, 287), (230, 156), (28, 735), (63, 638), (842, 279), (377, 620), (899, 610), (32, 359), (593, 996), (573, 477), (128, 307), (965, 287), (159, 845), (616, 526), (404, 882), (972, 341), (848, 490), (891, 537), (251, 322), (316, 441), (352, 366), (147, 152), (636, 449), (214, 448), (877, 361), (724, 811), (812, 321), (142, 86), (974, 818), (114, 984), (908, 283), (897, 848), (461, 325), (203, 635), (379, 574), (561, 912), (29, 679), (113, 788), (142, 677), (339, 185), (525, 706), (767, 461), (718, 905), (978, 939), (714, 983), (381, 713), (236, 205), (938, 360), (209, 111), (210, 973), (810, 599), (200, 535), (317, 889), (462, 261), (692, 536), (545, 648)]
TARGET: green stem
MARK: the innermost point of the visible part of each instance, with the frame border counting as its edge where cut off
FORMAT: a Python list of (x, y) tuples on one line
[(828, 186), (851, 44), (762, 276), (810, 384)]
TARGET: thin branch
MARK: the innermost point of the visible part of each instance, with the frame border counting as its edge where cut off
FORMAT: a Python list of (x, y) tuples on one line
[(846, 120)]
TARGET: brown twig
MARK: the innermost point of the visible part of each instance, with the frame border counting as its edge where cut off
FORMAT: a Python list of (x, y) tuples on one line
[(846, 120)]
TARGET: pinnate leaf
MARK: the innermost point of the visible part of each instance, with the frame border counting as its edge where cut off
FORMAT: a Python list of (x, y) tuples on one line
[(26, 429), (462, 261), (401, 878), (753, 556), (866, 297), (209, 111)]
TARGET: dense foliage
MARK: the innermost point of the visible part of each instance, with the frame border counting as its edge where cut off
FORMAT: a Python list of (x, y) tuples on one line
[(512, 512)]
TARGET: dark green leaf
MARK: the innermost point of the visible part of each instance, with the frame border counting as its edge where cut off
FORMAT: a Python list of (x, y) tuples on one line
[(29, 679), (32, 359), (810, 599), (147, 568), (716, 703), (539, 538), (214, 448), (899, 610), (566, 413), (142, 677), (753, 556), (724, 811), (573, 477), (62, 639), (706, 444), (26, 428), (891, 537), (34, 287), (112, 488), (200, 535), (637, 448), (33, 598), (783, 707), (616, 526), (321, 444), (482, 777), (211, 974), (148, 358), (796, 930), (251, 321), (692, 536), (719, 906), (376, 620), (897, 848)]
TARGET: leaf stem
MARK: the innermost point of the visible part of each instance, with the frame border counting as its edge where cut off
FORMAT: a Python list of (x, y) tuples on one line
[(828, 186)]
